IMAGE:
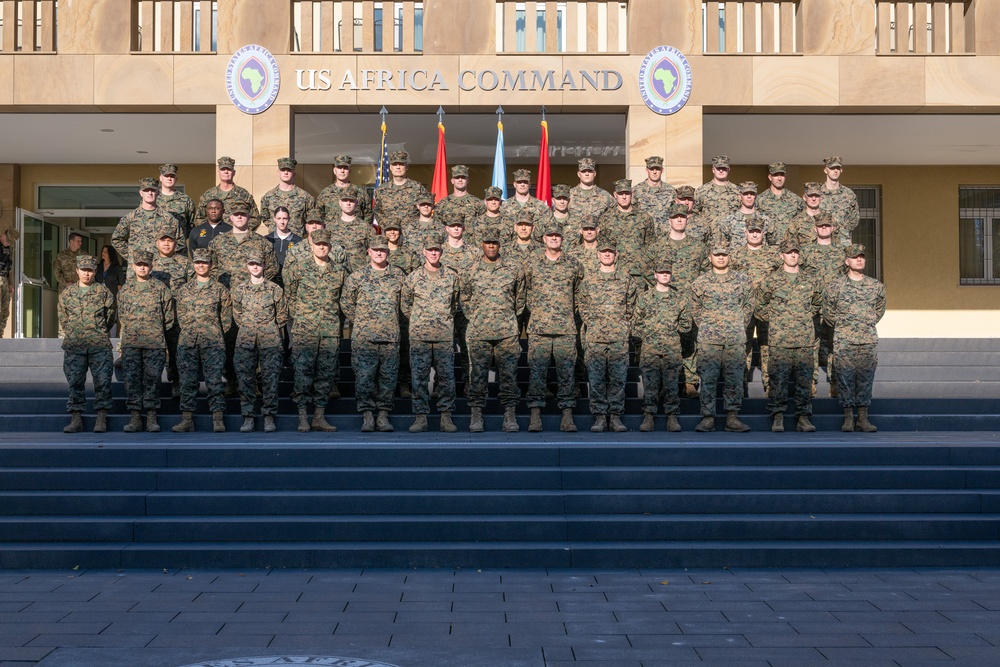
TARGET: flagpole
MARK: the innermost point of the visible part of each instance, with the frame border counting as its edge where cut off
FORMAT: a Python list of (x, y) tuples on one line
[(499, 163), (382, 171), (543, 183), (439, 184)]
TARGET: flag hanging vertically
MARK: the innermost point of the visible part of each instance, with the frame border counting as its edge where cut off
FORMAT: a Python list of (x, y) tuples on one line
[(439, 186), (543, 186), (382, 171), (499, 164)]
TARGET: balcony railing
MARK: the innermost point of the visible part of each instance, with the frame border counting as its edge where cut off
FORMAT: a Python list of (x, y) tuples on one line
[(27, 26), (174, 26), (347, 26), (941, 26), (575, 26), (770, 26)]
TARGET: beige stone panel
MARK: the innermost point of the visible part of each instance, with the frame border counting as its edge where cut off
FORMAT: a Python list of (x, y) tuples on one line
[(626, 66), (94, 26), (683, 161), (721, 80), (6, 80), (117, 79), (959, 81), (44, 80), (654, 23), (865, 80), (264, 22), (835, 27), (405, 95), (939, 323), (987, 27), (332, 67), (272, 136), (510, 99), (234, 137), (200, 80), (477, 19), (793, 81), (645, 135)]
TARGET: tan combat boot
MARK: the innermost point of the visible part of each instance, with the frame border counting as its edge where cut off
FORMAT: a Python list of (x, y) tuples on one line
[(863, 424), (510, 421), (419, 424), (778, 422), (804, 425), (382, 422), (648, 423), (186, 423), (248, 425), (600, 424), (319, 422), (101, 425), (848, 425), (476, 421), (134, 423), (218, 422), (706, 425), (733, 423), (304, 426), (673, 425), (152, 426), (75, 424), (367, 422), (615, 424), (269, 425), (535, 423), (447, 425), (566, 424)]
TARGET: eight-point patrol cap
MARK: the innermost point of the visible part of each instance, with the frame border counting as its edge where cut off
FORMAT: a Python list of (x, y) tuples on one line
[(754, 224), (226, 162), (493, 192), (378, 242), (433, 241), (822, 219), (654, 162), (685, 192), (166, 231), (747, 187), (254, 257), (623, 185), (238, 207), (168, 170), (88, 262), (524, 217), (560, 191), (589, 222), (854, 250), (314, 215), (678, 210), (789, 245), (776, 168), (586, 164), (552, 228), (813, 188), (606, 242), (491, 235), (348, 194), (287, 163), (663, 265), (201, 256), (720, 249), (454, 220), (425, 199), (832, 162), (142, 257), (459, 170), (721, 161), (149, 184), (522, 175), (320, 236), (342, 160), (399, 157), (394, 223)]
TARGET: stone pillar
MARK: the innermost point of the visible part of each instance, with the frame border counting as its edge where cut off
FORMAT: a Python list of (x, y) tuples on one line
[(467, 27), (10, 191), (838, 27), (986, 26), (653, 23), (94, 27), (677, 138), (264, 22)]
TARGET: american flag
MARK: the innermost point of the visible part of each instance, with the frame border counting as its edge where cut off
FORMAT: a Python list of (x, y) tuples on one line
[(382, 173)]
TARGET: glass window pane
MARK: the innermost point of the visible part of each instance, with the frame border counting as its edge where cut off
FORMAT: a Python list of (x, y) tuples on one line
[(33, 241), (31, 302), (50, 248), (520, 42), (865, 233), (77, 197), (970, 249), (418, 28)]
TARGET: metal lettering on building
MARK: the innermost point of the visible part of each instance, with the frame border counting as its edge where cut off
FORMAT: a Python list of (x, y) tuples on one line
[(604, 80)]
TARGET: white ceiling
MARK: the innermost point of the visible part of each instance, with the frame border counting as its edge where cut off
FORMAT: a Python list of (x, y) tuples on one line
[(746, 138)]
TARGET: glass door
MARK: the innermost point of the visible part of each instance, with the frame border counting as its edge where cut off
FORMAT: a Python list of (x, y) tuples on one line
[(30, 273)]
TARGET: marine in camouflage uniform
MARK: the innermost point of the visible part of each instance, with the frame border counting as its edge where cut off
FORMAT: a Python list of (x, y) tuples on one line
[(789, 300), (662, 317), (757, 260), (64, 265), (460, 204), (824, 260), (396, 199), (722, 303), (172, 269), (839, 200), (205, 315), (491, 218), (7, 239), (699, 227), (607, 310), (260, 310), (371, 302), (653, 196), (177, 203), (87, 313), (493, 297), (146, 310), (228, 196), (630, 228), (314, 286), (287, 194), (587, 198), (328, 201), (562, 214), (555, 290), (426, 222), (719, 197), (429, 299), (583, 248), (732, 228), (779, 204), (522, 203), (350, 232), (853, 304), (138, 229)]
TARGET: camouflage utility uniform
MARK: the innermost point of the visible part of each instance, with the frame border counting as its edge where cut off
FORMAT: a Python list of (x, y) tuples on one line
[(147, 314), (429, 300), (607, 310), (205, 314), (87, 315), (661, 319), (260, 311)]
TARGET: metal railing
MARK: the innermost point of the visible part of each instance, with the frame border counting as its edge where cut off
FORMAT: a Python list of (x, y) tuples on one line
[(28, 26), (940, 26), (357, 26), (174, 26), (575, 26), (768, 26)]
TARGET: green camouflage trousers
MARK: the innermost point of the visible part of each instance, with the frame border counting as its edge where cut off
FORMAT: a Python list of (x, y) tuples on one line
[(246, 361), (210, 361), (101, 365), (791, 367), (441, 356), (855, 373), (505, 353), (561, 349), (689, 355), (376, 369), (607, 368), (823, 355), (727, 361), (143, 369), (315, 362), (660, 373)]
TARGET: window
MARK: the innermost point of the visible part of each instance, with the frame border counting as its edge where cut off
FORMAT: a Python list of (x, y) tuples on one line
[(979, 235), (869, 229)]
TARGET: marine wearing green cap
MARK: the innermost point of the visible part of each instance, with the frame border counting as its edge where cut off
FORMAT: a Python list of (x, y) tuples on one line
[(288, 195)]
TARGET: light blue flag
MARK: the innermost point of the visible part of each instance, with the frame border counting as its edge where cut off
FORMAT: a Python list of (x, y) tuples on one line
[(499, 164)]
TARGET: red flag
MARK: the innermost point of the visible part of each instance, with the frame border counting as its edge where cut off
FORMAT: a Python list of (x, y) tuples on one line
[(543, 188), (439, 186)]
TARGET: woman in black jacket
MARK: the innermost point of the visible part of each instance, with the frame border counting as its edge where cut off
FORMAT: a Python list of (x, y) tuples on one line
[(111, 274)]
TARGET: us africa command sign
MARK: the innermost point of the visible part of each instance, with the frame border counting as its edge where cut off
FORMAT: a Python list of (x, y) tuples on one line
[(665, 80), (252, 79)]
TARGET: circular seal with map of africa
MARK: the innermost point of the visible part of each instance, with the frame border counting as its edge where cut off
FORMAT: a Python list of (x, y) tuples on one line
[(307, 660), (665, 80), (252, 79)]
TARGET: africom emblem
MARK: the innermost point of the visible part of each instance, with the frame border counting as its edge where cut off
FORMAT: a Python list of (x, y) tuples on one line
[(252, 79), (308, 660), (665, 80)]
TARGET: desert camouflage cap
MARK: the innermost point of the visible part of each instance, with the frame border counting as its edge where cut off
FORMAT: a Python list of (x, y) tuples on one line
[(314, 215), (854, 250), (623, 185), (721, 161), (87, 262), (168, 170), (342, 160), (399, 157), (166, 231), (493, 192), (654, 162), (320, 236), (586, 164), (142, 257), (226, 162), (589, 222), (522, 175), (832, 162), (677, 210), (789, 245), (685, 192), (748, 186), (560, 191), (378, 242), (201, 256), (149, 184), (433, 241), (776, 168), (238, 208), (822, 219), (812, 188), (459, 170), (287, 163)]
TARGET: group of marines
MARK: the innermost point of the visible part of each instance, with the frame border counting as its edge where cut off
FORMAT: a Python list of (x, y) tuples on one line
[(688, 277)]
